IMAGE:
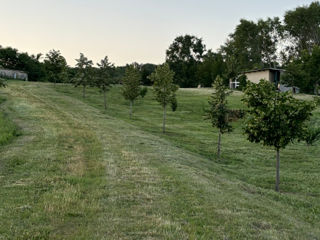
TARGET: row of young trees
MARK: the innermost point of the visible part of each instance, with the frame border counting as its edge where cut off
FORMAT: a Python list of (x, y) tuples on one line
[(273, 118), (103, 78)]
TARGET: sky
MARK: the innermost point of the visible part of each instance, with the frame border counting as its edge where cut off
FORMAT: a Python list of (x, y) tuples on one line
[(125, 30)]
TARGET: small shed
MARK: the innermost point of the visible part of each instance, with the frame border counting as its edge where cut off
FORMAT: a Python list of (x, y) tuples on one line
[(13, 74), (270, 74)]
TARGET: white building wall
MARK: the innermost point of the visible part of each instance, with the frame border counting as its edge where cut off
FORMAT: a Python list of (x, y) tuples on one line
[(255, 77)]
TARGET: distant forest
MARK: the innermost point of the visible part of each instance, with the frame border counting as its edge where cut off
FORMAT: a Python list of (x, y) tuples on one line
[(291, 43)]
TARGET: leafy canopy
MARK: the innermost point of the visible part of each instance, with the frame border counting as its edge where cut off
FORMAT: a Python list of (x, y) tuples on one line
[(84, 75), (218, 111), (105, 78), (56, 66), (131, 83), (184, 56), (274, 118), (303, 26), (163, 86)]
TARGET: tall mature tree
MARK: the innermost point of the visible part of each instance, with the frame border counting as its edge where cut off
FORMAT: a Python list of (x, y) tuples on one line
[(10, 58), (252, 45), (164, 89), (274, 118), (304, 71), (218, 111), (56, 67), (303, 27), (269, 38), (131, 81), (105, 78), (212, 66), (183, 56), (84, 76), (146, 70)]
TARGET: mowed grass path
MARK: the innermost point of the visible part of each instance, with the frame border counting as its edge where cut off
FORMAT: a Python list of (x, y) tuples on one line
[(81, 173)]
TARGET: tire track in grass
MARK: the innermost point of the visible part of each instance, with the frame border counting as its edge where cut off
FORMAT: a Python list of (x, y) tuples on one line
[(197, 203), (58, 162)]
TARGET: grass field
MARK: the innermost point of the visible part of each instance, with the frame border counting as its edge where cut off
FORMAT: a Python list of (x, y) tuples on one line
[(79, 172), (8, 129)]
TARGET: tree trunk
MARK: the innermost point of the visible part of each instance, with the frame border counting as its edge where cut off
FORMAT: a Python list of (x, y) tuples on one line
[(105, 100), (84, 91), (164, 119), (278, 171), (219, 145), (131, 105)]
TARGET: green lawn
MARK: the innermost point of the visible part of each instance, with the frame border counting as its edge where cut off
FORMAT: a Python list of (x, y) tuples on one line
[(79, 172)]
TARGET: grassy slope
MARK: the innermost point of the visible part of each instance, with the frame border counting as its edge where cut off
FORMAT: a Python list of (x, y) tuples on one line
[(8, 129), (80, 173)]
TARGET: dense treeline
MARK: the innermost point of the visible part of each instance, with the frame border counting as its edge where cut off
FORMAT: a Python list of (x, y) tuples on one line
[(292, 44)]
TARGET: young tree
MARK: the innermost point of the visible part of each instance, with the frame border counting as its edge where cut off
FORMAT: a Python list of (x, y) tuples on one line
[(218, 112), (164, 89), (274, 118), (131, 85), (84, 76), (104, 78), (56, 67)]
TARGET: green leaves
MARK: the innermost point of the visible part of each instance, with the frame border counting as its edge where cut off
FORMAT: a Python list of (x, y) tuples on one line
[(304, 71), (131, 83), (2, 83), (303, 24), (164, 89), (104, 78), (163, 86), (184, 55), (56, 66), (311, 135), (218, 111), (274, 118), (84, 76)]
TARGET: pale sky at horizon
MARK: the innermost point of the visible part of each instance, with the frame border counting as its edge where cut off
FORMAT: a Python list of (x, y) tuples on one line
[(125, 30)]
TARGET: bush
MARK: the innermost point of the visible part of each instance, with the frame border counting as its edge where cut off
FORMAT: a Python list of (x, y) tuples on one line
[(143, 92), (311, 135), (242, 82), (317, 100)]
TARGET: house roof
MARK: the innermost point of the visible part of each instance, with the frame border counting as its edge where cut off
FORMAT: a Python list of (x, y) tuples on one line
[(264, 69)]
